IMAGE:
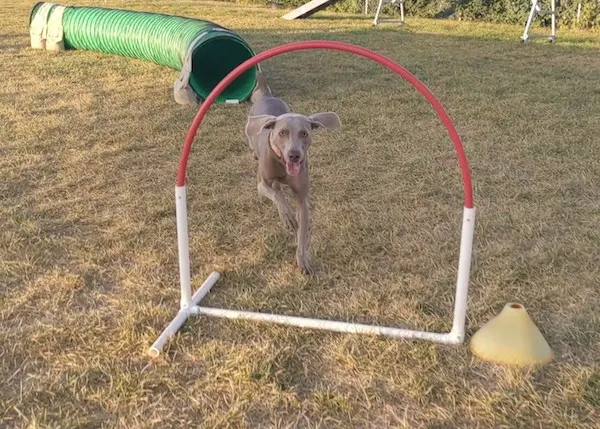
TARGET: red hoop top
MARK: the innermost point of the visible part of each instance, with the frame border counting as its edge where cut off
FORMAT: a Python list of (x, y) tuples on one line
[(337, 46)]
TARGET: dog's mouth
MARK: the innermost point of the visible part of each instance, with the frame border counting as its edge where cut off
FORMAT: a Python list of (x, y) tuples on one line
[(293, 168)]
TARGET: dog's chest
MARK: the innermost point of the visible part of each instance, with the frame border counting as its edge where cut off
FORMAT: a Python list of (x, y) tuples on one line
[(272, 169)]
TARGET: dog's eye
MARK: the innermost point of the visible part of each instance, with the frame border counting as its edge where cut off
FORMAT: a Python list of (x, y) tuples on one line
[(283, 133), (303, 134)]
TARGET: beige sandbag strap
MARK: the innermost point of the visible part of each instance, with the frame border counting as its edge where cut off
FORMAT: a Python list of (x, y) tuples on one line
[(54, 31), (38, 28), (182, 92)]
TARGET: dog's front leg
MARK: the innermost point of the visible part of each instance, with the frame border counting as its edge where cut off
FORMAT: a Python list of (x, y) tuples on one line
[(303, 215), (273, 192)]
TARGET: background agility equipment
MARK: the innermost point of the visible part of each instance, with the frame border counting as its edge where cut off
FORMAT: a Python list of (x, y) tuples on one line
[(204, 52)]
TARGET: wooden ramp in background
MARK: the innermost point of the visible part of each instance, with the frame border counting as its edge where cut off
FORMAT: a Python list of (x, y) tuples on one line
[(308, 9)]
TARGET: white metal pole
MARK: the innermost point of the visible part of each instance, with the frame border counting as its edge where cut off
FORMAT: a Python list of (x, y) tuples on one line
[(530, 20), (553, 20), (402, 11), (578, 12), (464, 271), (183, 246), (376, 20)]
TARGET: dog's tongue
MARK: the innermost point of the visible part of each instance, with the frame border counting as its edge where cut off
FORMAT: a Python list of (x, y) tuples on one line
[(292, 168)]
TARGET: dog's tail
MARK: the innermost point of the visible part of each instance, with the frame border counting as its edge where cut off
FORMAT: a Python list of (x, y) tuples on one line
[(262, 88)]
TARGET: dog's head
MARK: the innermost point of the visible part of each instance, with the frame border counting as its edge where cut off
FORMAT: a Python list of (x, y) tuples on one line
[(290, 134)]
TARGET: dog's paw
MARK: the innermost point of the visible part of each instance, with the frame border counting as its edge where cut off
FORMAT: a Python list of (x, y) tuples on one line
[(305, 267)]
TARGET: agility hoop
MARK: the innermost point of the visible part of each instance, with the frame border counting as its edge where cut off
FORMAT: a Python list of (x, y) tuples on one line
[(189, 304)]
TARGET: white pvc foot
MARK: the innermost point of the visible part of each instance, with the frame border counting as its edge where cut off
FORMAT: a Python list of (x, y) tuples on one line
[(183, 314), (173, 327)]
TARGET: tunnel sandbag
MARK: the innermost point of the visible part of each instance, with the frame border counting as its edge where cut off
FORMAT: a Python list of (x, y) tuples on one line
[(204, 52)]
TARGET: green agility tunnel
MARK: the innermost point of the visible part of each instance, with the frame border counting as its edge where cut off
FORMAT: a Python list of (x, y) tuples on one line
[(204, 52)]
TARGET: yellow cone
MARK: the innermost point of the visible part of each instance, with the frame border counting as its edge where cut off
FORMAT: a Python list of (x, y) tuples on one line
[(511, 338)]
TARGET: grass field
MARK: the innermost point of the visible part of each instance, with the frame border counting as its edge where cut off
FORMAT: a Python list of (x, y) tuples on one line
[(89, 147)]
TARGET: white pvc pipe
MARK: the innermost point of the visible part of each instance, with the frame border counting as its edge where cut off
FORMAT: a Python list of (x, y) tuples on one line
[(205, 288), (189, 304), (456, 336), (329, 325), (464, 271), (173, 327), (183, 247), (183, 315)]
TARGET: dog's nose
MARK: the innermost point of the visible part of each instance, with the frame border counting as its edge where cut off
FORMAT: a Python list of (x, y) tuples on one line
[(294, 156)]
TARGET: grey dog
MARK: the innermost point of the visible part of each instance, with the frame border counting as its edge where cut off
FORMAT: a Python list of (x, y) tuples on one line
[(280, 140)]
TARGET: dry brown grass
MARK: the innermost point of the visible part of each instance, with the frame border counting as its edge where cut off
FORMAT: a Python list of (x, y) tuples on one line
[(88, 265)]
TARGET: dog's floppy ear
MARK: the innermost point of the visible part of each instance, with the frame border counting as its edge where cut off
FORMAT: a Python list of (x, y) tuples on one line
[(328, 120), (256, 124)]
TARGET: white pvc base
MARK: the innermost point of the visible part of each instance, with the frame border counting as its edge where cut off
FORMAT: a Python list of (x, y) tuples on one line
[(183, 314), (189, 305), (328, 325)]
